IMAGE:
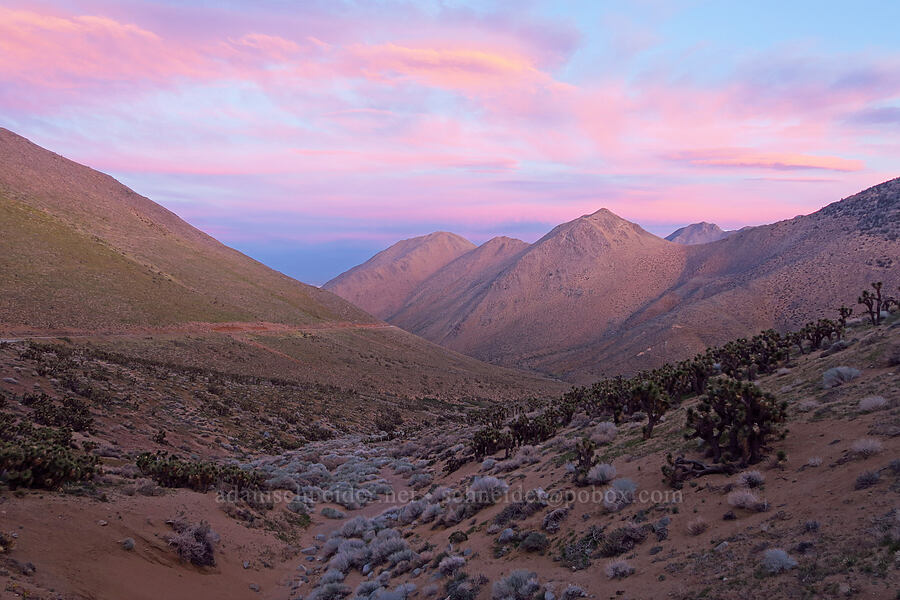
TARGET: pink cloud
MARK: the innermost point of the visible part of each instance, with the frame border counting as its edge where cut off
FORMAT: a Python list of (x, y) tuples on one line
[(779, 161)]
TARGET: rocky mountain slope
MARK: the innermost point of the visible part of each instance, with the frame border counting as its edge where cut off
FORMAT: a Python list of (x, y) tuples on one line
[(420, 514), (698, 233), (84, 256), (599, 295)]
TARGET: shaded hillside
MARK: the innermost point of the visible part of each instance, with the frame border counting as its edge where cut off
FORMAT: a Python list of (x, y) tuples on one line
[(456, 284), (381, 284), (84, 256), (82, 250)]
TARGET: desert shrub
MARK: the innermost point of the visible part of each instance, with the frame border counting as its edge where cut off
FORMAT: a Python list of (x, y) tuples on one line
[(365, 589), (519, 585), (333, 513), (622, 540), (420, 480), (619, 495), (194, 542), (388, 420), (486, 490), (356, 527), (384, 546), (604, 433), (836, 376), (170, 471), (866, 447), (576, 555), (329, 591), (412, 511), (600, 474), (487, 464), (751, 479), (144, 487), (451, 564), (776, 560), (747, 500), (41, 457), (554, 518), (573, 591), (866, 479), (331, 576), (872, 403), (534, 542), (736, 419), (431, 512), (527, 455), (461, 587), (892, 355), (404, 555), (6, 543), (519, 510), (697, 526), (619, 569)]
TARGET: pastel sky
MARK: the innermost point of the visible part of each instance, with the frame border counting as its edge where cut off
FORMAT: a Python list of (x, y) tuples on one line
[(311, 134)]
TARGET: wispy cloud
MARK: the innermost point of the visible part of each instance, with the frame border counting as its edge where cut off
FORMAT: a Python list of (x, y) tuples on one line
[(414, 115)]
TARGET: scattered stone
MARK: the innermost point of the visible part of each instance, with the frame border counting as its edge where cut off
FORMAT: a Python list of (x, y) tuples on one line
[(25, 568), (10, 380), (128, 544), (246, 564), (309, 550), (655, 550), (721, 547), (102, 523), (729, 516), (254, 587)]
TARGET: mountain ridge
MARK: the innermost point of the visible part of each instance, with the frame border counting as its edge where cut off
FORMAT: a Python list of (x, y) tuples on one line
[(599, 295)]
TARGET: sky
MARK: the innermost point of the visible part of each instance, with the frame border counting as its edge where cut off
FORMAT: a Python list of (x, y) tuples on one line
[(311, 134)]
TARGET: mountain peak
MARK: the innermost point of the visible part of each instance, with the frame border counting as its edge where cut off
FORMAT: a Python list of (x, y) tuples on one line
[(698, 233)]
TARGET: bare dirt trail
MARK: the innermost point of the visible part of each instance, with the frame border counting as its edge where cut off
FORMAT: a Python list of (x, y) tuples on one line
[(19, 335)]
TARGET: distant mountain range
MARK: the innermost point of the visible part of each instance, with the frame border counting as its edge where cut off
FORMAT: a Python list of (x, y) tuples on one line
[(599, 295), (82, 255)]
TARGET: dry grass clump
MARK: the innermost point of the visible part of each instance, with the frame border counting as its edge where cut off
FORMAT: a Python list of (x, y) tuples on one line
[(619, 569), (697, 526), (194, 542), (866, 447), (747, 500)]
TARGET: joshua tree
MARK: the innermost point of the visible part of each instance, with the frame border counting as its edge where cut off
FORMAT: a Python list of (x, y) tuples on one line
[(736, 418), (652, 400), (584, 452), (844, 313), (873, 302)]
